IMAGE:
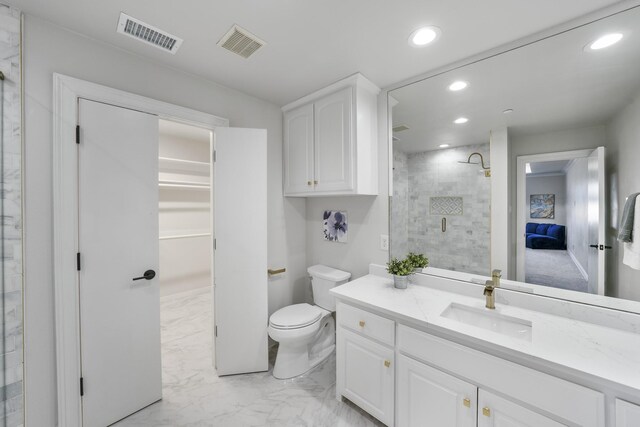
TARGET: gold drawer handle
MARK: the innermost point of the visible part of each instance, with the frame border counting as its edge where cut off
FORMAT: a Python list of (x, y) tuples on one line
[(486, 411), (387, 363), (467, 402), (361, 323)]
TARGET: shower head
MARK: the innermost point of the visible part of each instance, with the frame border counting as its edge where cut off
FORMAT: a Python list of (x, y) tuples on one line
[(472, 163)]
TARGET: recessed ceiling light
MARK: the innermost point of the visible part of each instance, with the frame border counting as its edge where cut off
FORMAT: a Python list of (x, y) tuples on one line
[(460, 120), (459, 85), (606, 41), (508, 111), (443, 145), (423, 36)]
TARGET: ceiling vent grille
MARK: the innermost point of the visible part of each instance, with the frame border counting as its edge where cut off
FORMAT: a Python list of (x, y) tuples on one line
[(241, 42), (400, 128), (148, 34)]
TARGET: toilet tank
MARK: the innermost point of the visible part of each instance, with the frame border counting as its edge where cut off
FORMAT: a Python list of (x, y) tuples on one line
[(324, 278)]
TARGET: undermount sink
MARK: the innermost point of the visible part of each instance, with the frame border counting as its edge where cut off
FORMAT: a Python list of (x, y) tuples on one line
[(490, 320)]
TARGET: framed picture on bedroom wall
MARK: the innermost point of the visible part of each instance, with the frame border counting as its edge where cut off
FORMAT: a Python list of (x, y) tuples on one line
[(542, 206)]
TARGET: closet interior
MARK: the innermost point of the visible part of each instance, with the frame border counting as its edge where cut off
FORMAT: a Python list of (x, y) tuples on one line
[(185, 210)]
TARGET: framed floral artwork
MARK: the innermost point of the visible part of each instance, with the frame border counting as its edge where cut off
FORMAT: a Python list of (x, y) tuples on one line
[(335, 226)]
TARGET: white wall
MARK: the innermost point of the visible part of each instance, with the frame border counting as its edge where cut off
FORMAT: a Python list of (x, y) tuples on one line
[(623, 171), (549, 185), (500, 205), (50, 49), (578, 209), (368, 217)]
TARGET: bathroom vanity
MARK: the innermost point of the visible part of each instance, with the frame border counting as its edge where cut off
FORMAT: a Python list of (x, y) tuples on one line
[(433, 355)]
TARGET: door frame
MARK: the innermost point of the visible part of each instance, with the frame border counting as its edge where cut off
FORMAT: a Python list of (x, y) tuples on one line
[(521, 197), (66, 91)]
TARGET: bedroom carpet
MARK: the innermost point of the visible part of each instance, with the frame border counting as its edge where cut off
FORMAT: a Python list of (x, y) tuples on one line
[(553, 268)]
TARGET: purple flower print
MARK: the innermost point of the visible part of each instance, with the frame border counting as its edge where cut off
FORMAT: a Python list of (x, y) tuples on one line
[(335, 226)]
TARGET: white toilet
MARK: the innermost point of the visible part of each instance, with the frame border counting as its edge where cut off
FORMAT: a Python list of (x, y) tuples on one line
[(307, 333)]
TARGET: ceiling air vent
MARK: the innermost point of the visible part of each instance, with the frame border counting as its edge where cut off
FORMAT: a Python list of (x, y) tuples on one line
[(146, 33), (400, 128), (241, 42)]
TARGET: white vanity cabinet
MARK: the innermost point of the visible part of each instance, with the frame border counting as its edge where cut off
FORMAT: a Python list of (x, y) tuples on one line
[(330, 141), (365, 361), (495, 411), (627, 414), (435, 382), (430, 397)]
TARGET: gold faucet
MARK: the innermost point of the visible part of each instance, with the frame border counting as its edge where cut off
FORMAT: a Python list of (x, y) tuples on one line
[(495, 278), (489, 289)]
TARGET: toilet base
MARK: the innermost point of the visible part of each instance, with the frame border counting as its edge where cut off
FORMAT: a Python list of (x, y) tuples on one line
[(295, 360)]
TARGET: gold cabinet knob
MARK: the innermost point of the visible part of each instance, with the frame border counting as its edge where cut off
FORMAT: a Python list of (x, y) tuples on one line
[(486, 411), (361, 323), (315, 182), (308, 182), (387, 363), (467, 402)]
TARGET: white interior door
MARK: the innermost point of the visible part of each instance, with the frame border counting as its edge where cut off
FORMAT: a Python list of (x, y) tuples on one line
[(597, 221), (118, 241), (240, 258)]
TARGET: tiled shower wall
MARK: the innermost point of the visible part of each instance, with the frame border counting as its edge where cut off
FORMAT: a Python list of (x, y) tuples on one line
[(11, 353), (400, 206), (434, 185)]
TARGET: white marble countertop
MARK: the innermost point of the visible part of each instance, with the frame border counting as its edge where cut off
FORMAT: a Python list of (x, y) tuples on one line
[(604, 352)]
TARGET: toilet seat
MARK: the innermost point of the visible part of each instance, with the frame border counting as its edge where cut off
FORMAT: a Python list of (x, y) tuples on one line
[(296, 316)]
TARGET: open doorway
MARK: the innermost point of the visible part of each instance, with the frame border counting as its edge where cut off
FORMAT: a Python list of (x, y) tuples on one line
[(560, 196), (185, 214), (557, 211)]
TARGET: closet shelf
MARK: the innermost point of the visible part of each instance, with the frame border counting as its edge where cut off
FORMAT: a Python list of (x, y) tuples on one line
[(168, 164), (184, 236), (188, 185)]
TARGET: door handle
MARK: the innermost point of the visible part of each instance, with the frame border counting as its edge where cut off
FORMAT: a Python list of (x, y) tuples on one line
[(148, 275), (593, 246)]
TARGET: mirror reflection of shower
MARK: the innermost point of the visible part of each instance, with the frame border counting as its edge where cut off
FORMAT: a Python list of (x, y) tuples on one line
[(441, 207)]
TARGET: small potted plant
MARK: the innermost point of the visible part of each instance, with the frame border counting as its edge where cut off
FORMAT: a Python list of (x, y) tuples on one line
[(418, 261), (401, 270)]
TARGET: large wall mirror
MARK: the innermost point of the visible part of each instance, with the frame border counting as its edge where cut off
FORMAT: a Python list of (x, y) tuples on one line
[(551, 128)]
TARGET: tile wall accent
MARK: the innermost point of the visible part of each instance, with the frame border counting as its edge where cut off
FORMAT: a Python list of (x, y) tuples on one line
[(446, 205), (11, 349), (440, 187)]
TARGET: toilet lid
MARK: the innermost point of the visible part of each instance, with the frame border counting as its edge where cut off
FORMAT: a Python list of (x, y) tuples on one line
[(296, 316)]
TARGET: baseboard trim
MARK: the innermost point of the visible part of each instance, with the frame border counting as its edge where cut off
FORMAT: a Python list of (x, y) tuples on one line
[(580, 269)]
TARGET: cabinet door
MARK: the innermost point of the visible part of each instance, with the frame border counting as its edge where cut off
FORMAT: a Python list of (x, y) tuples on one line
[(334, 144), (494, 411), (627, 414), (428, 397), (298, 150), (366, 374)]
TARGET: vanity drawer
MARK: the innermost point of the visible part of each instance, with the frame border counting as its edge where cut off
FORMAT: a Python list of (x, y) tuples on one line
[(366, 323), (537, 390)]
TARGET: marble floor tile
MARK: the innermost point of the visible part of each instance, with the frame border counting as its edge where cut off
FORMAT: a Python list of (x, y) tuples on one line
[(193, 395)]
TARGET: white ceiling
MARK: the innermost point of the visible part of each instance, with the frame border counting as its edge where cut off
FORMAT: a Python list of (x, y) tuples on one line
[(313, 43), (552, 84)]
